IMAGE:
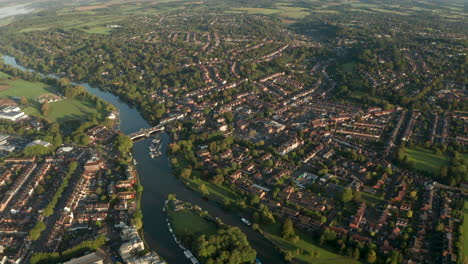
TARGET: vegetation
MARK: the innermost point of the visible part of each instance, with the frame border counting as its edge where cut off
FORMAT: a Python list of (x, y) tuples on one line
[(305, 248), (76, 251), (211, 241), (35, 233), (426, 160), (61, 111), (49, 210)]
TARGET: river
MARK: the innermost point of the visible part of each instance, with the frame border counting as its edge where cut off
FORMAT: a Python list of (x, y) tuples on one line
[(158, 181)]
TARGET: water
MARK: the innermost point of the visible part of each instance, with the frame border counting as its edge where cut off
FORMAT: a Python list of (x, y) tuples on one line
[(14, 10), (158, 181)]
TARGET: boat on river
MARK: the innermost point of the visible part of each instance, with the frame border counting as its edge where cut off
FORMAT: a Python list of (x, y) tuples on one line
[(155, 149)]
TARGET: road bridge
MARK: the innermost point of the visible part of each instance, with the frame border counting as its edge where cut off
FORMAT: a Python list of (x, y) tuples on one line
[(146, 132)]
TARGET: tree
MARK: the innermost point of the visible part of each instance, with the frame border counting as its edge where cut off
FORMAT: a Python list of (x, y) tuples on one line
[(186, 173), (24, 100), (63, 82), (409, 214), (371, 256), (45, 109), (124, 144), (171, 197), (346, 195), (35, 233), (356, 253), (288, 231), (204, 190), (227, 246)]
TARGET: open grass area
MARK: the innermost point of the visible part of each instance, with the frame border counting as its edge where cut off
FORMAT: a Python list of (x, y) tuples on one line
[(69, 109), (98, 30), (218, 193), (190, 223), (308, 246), (349, 67), (426, 160), (262, 11), (30, 90), (61, 111)]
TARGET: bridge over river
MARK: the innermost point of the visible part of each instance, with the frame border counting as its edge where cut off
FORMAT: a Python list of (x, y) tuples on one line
[(145, 132)]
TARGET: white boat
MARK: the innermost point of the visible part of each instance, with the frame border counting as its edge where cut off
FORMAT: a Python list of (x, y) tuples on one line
[(247, 222)]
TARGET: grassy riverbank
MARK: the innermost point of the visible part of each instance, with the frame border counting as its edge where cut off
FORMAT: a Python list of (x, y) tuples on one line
[(61, 111)]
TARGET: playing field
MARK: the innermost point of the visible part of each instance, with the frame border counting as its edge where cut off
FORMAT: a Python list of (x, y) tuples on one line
[(61, 111), (190, 223), (426, 160), (308, 246)]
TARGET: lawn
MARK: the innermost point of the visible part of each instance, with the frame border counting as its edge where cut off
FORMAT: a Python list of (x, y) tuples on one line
[(30, 90), (426, 160), (308, 246), (372, 199), (349, 67), (190, 223), (217, 193), (61, 111)]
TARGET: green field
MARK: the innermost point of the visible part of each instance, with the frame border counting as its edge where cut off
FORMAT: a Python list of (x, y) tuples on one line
[(98, 30), (30, 90), (307, 244), (190, 223), (217, 193), (61, 111), (426, 160), (262, 11), (349, 67)]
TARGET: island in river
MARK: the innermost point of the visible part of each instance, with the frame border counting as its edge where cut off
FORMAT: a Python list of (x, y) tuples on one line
[(158, 181)]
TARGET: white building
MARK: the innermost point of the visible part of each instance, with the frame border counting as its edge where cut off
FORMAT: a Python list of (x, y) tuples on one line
[(39, 142), (129, 248), (92, 258), (12, 113)]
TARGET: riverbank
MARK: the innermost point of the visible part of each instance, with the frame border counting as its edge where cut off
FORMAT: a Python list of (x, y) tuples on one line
[(210, 240), (157, 178)]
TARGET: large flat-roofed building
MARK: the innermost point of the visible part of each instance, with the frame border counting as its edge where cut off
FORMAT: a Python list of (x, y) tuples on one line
[(12, 113), (92, 258)]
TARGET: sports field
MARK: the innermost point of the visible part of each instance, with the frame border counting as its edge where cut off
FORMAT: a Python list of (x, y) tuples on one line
[(427, 160), (61, 111), (308, 246), (190, 223)]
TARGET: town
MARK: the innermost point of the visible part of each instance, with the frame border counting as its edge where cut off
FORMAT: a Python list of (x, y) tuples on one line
[(345, 142)]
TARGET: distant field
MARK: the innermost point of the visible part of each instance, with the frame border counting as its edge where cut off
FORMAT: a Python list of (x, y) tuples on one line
[(426, 160), (98, 30), (262, 11), (60, 111), (308, 246)]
